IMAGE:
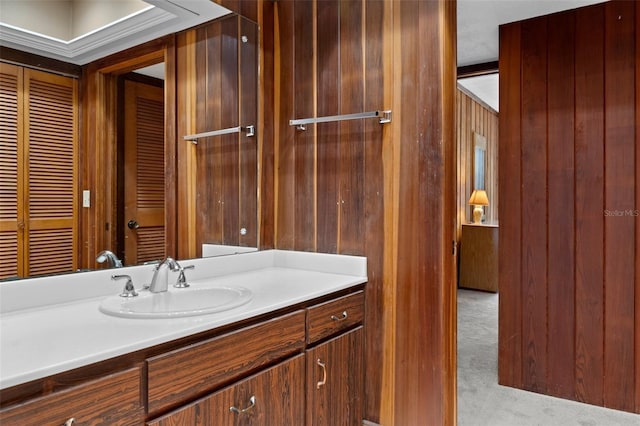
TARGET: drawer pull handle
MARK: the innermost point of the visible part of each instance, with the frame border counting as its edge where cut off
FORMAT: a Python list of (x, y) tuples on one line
[(324, 374), (252, 403), (341, 318), (69, 422)]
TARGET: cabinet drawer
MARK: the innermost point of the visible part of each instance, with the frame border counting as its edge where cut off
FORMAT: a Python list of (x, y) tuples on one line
[(115, 399), (181, 375), (328, 318), (272, 397)]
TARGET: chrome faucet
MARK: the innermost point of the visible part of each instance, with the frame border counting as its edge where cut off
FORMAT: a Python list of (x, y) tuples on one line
[(106, 255), (160, 280)]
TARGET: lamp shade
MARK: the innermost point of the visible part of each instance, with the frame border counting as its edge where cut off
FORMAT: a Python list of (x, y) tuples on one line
[(479, 198)]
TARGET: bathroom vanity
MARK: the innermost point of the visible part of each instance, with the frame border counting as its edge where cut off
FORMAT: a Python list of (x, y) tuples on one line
[(292, 355)]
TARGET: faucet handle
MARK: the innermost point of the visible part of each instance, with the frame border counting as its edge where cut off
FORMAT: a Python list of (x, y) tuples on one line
[(182, 280), (128, 290)]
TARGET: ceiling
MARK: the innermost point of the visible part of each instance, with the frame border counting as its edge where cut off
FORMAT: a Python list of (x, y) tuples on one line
[(58, 28), (478, 22)]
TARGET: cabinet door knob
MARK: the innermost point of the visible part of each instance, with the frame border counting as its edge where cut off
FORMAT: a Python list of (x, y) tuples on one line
[(324, 374), (69, 422), (252, 403), (340, 318)]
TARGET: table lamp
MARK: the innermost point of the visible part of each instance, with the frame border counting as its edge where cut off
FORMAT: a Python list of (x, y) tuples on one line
[(478, 199)]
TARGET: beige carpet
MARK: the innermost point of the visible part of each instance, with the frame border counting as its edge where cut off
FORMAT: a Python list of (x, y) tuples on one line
[(482, 402)]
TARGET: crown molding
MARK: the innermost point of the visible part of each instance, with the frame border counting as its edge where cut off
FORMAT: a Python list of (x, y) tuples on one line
[(150, 23)]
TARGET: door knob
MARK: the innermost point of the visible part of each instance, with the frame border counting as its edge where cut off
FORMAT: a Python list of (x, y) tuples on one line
[(132, 224)]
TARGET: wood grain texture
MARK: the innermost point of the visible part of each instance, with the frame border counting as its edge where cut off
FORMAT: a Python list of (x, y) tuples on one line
[(619, 244), (534, 204), (374, 196), (589, 189), (331, 317), (510, 303), (579, 262), (358, 44), (351, 151), (177, 376), (284, 142), (424, 233), (114, 399), (328, 90), (561, 206), (637, 208), (334, 398), (279, 400), (479, 257), (304, 140)]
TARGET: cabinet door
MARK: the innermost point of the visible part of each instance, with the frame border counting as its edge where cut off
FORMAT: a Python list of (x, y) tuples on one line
[(335, 381), (272, 397)]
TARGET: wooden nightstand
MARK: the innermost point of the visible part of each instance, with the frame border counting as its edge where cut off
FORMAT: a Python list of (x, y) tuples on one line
[(479, 257)]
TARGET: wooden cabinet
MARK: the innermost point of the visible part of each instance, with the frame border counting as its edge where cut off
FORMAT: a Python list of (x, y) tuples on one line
[(335, 381), (272, 397), (335, 367), (182, 374), (479, 257), (302, 366), (115, 399)]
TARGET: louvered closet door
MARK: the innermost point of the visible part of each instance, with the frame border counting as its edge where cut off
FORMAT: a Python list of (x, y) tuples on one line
[(50, 145), (144, 173), (10, 156)]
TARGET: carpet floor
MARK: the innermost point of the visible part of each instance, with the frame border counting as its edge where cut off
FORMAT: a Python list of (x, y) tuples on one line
[(482, 402)]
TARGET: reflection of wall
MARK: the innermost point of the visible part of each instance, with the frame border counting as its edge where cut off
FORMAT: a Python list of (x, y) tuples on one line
[(472, 116), (569, 193), (226, 185)]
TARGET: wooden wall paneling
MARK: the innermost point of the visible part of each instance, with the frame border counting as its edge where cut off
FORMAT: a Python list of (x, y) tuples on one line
[(248, 76), (473, 117), (637, 212), (266, 125), (409, 250), (328, 103), (374, 196), (173, 231), (187, 115), (619, 197), (510, 301), (208, 112), (304, 140), (534, 204), (351, 165), (561, 205), (229, 144), (425, 261), (285, 134), (589, 202)]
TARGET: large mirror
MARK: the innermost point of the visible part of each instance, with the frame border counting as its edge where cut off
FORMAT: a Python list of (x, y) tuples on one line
[(222, 170)]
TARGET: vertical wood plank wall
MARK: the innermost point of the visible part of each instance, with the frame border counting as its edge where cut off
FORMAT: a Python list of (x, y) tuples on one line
[(384, 191), (570, 206), (472, 116)]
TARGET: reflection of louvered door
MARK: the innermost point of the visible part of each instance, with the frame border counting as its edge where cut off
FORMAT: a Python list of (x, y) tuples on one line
[(144, 173), (38, 173)]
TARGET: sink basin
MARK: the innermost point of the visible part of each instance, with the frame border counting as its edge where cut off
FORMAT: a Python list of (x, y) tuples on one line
[(177, 303)]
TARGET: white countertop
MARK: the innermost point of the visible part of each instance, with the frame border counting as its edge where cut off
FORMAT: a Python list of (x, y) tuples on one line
[(56, 330)]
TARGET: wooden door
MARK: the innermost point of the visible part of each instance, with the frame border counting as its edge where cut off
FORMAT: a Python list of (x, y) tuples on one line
[(144, 173), (10, 157), (272, 397), (38, 173), (335, 381)]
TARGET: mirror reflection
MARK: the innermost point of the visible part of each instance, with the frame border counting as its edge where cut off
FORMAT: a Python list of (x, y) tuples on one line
[(42, 205)]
